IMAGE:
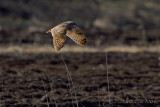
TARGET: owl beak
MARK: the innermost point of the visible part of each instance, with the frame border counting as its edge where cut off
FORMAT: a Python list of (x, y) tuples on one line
[(48, 31)]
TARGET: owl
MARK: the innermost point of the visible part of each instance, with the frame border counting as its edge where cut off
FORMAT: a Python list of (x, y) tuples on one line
[(70, 29)]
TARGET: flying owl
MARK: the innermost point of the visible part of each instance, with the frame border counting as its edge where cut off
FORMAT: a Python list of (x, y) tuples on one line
[(70, 29)]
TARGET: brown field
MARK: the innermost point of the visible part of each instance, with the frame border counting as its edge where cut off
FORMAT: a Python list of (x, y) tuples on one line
[(32, 73), (40, 79)]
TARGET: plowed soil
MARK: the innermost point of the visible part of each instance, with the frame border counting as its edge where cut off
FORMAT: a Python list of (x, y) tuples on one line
[(31, 79)]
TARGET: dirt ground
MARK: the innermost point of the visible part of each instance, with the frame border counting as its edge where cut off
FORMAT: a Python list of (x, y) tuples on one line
[(33, 74), (41, 79)]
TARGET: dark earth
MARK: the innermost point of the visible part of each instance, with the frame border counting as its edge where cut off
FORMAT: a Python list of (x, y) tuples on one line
[(41, 79)]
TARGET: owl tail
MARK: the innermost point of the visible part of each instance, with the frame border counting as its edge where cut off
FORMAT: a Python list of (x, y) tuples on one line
[(48, 31)]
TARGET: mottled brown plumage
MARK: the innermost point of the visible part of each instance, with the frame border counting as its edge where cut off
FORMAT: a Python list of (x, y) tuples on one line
[(69, 29)]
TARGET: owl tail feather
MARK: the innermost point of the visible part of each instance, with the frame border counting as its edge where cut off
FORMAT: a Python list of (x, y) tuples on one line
[(48, 31)]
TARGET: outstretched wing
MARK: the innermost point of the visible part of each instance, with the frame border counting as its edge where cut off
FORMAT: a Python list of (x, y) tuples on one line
[(58, 39), (76, 35)]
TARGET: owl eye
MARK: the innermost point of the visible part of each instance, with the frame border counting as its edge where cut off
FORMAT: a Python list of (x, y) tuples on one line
[(78, 31), (70, 27)]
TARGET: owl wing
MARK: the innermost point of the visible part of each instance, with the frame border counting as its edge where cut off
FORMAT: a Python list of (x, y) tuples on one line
[(58, 39), (76, 35)]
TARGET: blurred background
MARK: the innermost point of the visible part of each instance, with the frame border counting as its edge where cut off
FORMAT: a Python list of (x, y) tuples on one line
[(32, 73), (105, 22)]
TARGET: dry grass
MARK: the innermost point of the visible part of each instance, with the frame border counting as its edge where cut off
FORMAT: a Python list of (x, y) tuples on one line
[(50, 49), (71, 86)]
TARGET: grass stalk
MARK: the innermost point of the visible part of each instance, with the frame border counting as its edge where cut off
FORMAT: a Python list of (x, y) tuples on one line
[(109, 100), (70, 79), (51, 89), (45, 92)]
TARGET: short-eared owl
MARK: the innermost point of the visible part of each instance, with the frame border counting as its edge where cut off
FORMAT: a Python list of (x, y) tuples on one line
[(70, 29)]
